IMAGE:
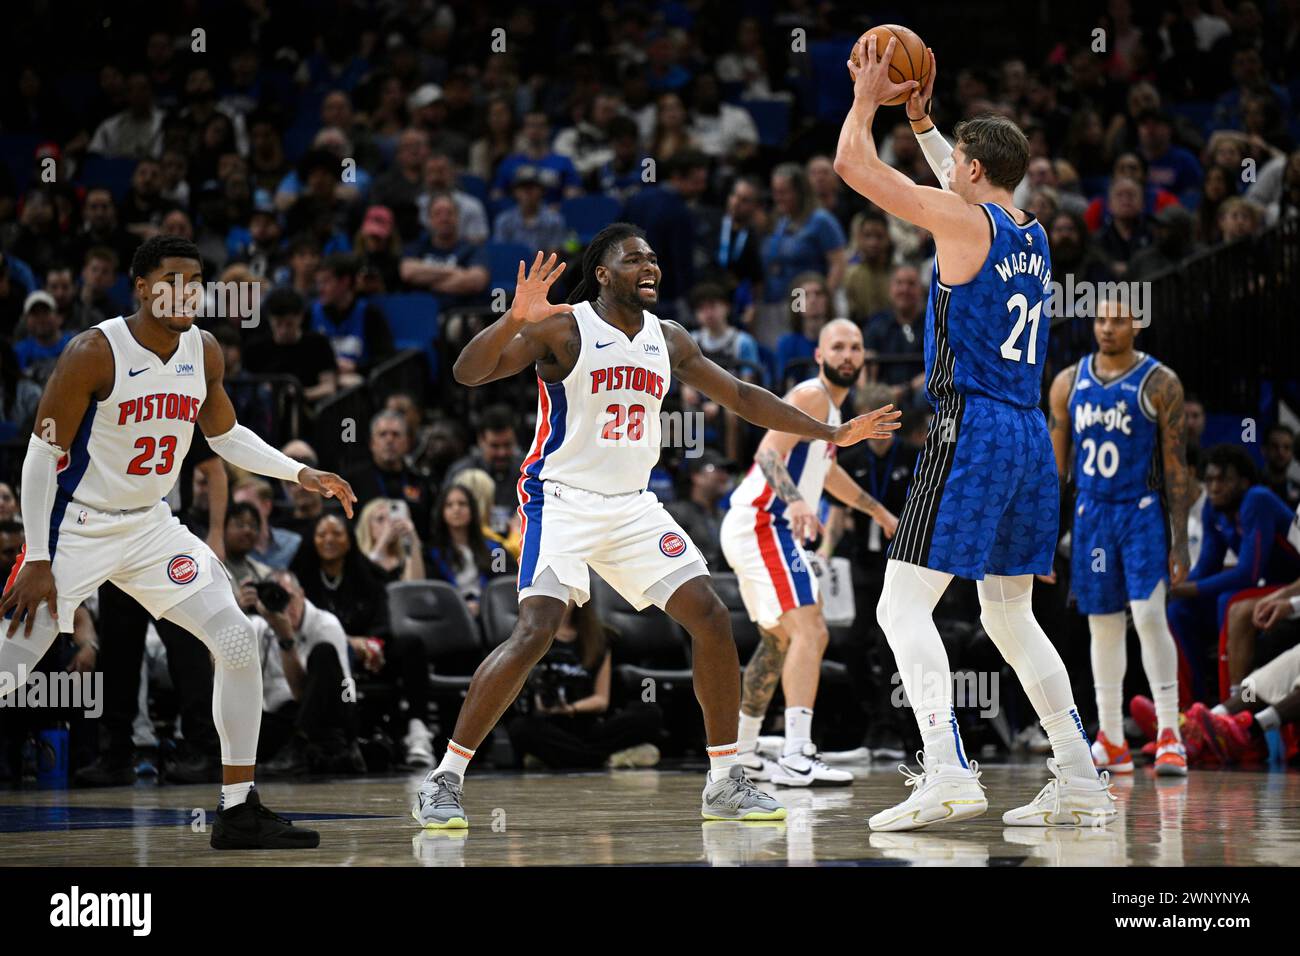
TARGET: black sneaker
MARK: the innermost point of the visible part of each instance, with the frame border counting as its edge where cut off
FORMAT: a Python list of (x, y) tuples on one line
[(289, 761), (108, 770), (250, 826), (196, 768)]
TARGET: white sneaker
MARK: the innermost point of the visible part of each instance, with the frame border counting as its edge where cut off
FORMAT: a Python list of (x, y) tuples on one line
[(1067, 802), (771, 745), (642, 755), (419, 744), (939, 795), (805, 769), (757, 766)]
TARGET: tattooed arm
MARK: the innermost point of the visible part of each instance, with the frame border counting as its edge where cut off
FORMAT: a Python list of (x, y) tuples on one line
[(1166, 398), (842, 486), (1058, 421), (770, 458)]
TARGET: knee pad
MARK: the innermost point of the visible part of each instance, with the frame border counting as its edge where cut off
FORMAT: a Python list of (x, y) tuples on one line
[(213, 617), (231, 638)]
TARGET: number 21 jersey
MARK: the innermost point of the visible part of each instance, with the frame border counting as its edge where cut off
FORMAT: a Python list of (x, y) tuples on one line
[(988, 336), (129, 448)]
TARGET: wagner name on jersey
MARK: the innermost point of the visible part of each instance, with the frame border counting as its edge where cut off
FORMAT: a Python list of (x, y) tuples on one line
[(129, 448), (1115, 432), (598, 429)]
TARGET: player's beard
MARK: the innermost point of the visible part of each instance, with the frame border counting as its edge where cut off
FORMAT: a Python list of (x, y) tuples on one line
[(838, 379)]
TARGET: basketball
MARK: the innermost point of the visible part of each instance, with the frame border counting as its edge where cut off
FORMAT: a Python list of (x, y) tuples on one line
[(910, 61)]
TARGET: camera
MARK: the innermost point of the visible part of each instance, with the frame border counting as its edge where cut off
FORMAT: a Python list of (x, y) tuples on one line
[(273, 597)]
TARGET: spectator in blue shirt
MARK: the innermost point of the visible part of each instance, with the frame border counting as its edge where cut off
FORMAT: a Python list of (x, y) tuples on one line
[(621, 176), (1168, 166), (900, 330), (665, 213), (810, 309), (558, 174), (806, 238), (45, 340), (1253, 522), (1250, 77), (529, 222), (442, 262)]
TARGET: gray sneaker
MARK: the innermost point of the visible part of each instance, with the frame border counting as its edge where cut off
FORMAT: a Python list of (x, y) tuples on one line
[(735, 798), (437, 805)]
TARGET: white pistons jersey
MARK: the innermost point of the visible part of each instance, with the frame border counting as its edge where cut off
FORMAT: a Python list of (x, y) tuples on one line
[(809, 462), (129, 448), (598, 429)]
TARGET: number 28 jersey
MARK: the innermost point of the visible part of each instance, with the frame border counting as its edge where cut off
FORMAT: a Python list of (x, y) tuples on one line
[(129, 448), (988, 336)]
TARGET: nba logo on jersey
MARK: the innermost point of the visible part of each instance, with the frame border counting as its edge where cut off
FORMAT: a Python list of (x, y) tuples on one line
[(182, 569), (671, 544)]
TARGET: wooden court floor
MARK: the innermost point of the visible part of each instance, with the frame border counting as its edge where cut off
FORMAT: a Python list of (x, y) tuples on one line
[(1233, 818)]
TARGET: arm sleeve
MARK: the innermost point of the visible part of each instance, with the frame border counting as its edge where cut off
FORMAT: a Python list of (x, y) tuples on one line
[(937, 152), (241, 446), (1256, 545), (38, 491)]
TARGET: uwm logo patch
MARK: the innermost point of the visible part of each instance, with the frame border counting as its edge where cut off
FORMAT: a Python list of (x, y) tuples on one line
[(672, 544), (182, 569)]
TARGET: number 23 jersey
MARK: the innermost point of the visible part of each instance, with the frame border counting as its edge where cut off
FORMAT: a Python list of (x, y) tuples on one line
[(988, 336), (129, 448)]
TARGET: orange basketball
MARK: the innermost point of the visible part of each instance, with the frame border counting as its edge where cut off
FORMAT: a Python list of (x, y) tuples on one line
[(910, 62)]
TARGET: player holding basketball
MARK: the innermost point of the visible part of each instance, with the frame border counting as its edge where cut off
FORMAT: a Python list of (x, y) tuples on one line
[(114, 423), (983, 500), (604, 364), (1123, 413), (773, 513)]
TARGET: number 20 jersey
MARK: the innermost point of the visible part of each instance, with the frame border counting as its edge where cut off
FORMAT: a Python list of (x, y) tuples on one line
[(1115, 432), (128, 451), (988, 336)]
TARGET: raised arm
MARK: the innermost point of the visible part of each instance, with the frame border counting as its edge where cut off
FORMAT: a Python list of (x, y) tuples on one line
[(1167, 401), (524, 335), (936, 149), (757, 405)]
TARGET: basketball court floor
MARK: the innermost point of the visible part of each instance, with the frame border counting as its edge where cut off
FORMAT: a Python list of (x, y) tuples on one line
[(651, 817)]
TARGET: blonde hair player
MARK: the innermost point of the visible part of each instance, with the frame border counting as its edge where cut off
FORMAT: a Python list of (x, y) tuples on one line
[(773, 514), (983, 499)]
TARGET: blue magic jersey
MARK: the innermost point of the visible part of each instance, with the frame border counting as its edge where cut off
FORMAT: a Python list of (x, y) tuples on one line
[(988, 336), (1115, 432)]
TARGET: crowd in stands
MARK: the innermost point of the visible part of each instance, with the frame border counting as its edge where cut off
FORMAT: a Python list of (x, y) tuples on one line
[(382, 159)]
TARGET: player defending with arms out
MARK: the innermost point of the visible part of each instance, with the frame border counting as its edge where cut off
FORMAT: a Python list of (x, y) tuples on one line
[(604, 364), (1123, 413), (773, 513), (983, 500), (114, 424)]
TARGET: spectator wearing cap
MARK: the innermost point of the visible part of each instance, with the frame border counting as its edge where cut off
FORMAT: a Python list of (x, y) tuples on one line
[(45, 340), (290, 349), (442, 262), (1169, 167), (441, 175), (258, 246), (380, 248), (718, 339), (1173, 229), (428, 111), (558, 174), (528, 221), (356, 329), (137, 130), (700, 511), (622, 175), (399, 189)]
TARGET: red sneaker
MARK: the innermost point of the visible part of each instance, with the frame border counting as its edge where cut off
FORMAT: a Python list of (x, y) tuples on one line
[(1143, 711), (1171, 756), (1198, 751), (1215, 730), (1109, 756), (1246, 747)]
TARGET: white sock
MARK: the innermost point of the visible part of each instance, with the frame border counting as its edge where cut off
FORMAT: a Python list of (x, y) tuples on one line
[(747, 742), (1268, 719), (798, 729), (233, 794), (721, 759), (1109, 659), (1070, 743), (941, 738), (455, 760), (1159, 655)]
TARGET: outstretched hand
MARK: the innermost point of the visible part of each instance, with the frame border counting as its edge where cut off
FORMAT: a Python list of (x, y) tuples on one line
[(530, 303), (877, 424), (328, 485)]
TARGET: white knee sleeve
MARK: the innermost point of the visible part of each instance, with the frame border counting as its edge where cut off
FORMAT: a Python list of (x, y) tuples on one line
[(1006, 611), (213, 617), (906, 615), (1109, 661), (1159, 654)]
